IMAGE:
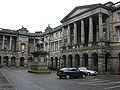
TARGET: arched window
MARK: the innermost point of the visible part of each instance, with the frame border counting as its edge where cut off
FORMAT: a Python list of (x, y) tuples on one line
[(23, 47)]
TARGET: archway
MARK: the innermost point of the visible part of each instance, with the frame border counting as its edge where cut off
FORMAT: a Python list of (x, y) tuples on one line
[(95, 61), (22, 61), (70, 61), (51, 61), (107, 62), (85, 60), (56, 62), (77, 60), (5, 61), (64, 61), (13, 61)]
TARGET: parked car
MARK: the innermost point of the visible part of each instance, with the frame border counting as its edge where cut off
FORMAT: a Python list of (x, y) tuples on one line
[(88, 71), (70, 73)]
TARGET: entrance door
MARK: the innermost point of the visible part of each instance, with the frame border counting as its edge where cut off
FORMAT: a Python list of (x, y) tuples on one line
[(22, 61)]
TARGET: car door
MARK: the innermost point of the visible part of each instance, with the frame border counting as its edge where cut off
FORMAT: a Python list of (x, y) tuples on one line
[(74, 72)]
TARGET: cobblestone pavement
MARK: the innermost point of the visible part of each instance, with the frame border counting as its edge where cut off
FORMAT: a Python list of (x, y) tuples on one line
[(4, 83), (22, 80)]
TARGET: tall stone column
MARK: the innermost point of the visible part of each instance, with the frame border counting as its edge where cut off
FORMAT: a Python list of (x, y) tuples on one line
[(63, 32), (75, 33), (107, 26), (100, 27), (90, 29), (10, 42), (82, 31), (68, 43), (3, 42)]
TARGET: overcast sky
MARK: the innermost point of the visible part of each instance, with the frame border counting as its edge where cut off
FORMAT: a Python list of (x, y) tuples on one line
[(35, 15)]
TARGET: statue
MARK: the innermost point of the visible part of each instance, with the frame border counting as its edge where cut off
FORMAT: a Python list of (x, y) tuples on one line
[(39, 43)]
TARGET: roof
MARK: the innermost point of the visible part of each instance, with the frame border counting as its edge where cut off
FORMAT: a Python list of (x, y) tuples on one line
[(53, 30), (87, 7)]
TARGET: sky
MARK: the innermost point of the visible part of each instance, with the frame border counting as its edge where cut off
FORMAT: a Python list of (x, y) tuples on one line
[(36, 15)]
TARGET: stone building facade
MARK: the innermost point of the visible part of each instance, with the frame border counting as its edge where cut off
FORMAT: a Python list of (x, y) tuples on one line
[(17, 46), (89, 36)]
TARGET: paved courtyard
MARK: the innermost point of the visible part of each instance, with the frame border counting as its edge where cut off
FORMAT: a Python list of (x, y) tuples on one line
[(5, 84), (22, 80)]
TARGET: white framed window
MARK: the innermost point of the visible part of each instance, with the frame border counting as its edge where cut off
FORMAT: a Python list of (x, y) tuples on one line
[(118, 35), (118, 16)]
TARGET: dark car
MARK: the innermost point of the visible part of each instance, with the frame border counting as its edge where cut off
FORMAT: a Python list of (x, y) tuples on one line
[(70, 73)]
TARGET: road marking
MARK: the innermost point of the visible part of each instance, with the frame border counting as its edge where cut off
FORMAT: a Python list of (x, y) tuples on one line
[(94, 82), (106, 83), (112, 87)]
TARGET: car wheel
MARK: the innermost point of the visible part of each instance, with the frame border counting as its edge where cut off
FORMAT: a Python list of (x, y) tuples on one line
[(68, 76), (83, 76), (88, 74), (60, 77)]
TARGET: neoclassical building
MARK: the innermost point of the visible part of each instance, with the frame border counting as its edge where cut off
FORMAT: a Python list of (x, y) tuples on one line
[(17, 46), (89, 36)]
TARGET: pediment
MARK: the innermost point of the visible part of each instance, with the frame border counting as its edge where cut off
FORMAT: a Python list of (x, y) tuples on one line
[(78, 10)]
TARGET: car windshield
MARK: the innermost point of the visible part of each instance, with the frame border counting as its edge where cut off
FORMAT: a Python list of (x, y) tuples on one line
[(69, 69), (81, 68)]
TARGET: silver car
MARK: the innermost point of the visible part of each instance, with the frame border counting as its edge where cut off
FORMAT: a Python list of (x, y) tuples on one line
[(88, 71)]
